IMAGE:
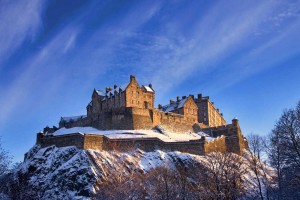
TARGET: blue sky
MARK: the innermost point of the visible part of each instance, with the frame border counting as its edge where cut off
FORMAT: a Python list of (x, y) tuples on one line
[(244, 54)]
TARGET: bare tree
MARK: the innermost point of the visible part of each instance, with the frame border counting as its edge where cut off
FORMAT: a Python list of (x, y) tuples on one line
[(5, 162), (284, 153), (225, 176), (257, 146)]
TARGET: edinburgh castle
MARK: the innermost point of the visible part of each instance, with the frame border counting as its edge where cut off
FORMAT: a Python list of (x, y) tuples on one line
[(133, 108)]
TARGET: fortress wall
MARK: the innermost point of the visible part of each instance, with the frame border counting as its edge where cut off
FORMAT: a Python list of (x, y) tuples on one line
[(75, 139), (234, 139), (92, 141), (100, 142), (137, 118), (141, 118), (177, 123), (218, 144), (151, 144), (122, 120), (156, 116), (193, 147), (146, 144)]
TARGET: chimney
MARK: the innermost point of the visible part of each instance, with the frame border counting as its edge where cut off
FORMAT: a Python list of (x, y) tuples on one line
[(150, 85), (200, 96), (235, 121), (178, 98), (221, 114), (183, 97), (107, 89), (159, 106), (218, 110), (132, 77), (171, 101), (213, 103), (191, 95), (115, 86)]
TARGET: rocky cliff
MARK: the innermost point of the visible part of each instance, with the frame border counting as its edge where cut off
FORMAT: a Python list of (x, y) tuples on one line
[(71, 173)]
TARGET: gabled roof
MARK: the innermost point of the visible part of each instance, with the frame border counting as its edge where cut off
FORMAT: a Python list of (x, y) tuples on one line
[(117, 90), (100, 92), (173, 106), (148, 89)]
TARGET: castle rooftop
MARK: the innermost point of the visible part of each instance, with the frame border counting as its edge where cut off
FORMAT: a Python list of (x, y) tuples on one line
[(173, 106)]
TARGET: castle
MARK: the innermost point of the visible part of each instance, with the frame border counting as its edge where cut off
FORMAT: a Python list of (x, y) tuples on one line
[(132, 108)]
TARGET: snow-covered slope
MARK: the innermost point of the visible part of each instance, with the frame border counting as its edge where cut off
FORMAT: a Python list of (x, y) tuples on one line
[(71, 173)]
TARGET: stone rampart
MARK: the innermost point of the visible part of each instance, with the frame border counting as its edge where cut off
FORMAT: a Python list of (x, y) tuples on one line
[(218, 144), (132, 118), (100, 142), (234, 140), (93, 141), (177, 123), (75, 139)]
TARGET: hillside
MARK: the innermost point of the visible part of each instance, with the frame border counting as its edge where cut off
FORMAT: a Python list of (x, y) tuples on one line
[(71, 173)]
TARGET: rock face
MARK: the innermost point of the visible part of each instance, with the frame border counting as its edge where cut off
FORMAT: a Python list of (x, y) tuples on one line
[(57, 173), (72, 173)]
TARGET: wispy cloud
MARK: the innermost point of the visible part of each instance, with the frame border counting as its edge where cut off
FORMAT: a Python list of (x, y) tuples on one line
[(20, 20), (228, 28), (67, 61)]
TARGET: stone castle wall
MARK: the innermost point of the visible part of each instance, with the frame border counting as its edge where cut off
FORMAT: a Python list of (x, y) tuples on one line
[(75, 139), (137, 118), (234, 140), (100, 142), (218, 144)]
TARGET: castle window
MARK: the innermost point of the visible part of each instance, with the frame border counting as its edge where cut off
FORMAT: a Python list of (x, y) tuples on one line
[(131, 101), (137, 94), (131, 93), (192, 111), (138, 103), (205, 119)]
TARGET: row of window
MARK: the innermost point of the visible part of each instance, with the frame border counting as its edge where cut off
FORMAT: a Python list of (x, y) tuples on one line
[(138, 94), (191, 111), (146, 104)]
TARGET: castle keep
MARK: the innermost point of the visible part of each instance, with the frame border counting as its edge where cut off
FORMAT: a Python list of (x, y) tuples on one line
[(132, 108)]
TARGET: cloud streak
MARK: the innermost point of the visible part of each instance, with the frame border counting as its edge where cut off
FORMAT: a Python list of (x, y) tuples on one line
[(221, 33), (20, 21)]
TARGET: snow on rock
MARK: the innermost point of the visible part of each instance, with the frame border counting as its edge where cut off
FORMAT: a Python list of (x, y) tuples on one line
[(71, 173), (63, 131), (59, 173)]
